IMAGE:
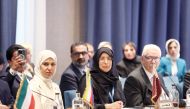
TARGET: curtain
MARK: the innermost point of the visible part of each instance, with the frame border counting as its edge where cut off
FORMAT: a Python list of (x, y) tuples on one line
[(8, 10), (140, 21), (25, 21), (31, 25)]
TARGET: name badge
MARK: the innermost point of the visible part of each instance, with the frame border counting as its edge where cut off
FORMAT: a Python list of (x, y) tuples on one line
[(167, 104)]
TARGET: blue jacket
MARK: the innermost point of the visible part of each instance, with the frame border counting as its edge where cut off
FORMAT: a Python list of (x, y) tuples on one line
[(165, 67)]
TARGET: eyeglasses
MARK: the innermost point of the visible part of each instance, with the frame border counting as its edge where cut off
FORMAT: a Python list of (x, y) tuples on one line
[(79, 53), (150, 58)]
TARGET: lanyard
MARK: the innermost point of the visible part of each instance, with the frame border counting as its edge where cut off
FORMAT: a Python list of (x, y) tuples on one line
[(111, 95)]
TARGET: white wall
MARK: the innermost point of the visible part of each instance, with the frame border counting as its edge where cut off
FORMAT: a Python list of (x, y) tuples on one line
[(50, 24), (31, 24), (63, 27)]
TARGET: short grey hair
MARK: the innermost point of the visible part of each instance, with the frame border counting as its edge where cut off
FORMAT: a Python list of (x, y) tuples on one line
[(149, 47)]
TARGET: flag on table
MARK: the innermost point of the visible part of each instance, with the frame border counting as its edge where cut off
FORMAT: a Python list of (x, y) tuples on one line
[(88, 92), (25, 98), (156, 89)]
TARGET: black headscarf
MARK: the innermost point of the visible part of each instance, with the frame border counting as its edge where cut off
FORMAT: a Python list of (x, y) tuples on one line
[(98, 54), (104, 82)]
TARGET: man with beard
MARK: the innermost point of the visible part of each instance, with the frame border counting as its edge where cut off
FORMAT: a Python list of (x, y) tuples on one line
[(71, 76)]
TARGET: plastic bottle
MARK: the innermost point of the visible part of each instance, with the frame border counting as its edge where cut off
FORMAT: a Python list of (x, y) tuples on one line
[(58, 103), (77, 102), (188, 97), (174, 96)]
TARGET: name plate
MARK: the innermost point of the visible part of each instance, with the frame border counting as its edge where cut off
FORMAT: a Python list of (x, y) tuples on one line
[(167, 105)]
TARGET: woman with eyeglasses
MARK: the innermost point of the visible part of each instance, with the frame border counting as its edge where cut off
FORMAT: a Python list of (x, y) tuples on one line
[(106, 86)]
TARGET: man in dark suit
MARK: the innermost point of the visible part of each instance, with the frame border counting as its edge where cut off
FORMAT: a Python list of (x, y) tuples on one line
[(6, 99), (138, 86), (2, 62), (16, 65), (71, 76), (5, 95)]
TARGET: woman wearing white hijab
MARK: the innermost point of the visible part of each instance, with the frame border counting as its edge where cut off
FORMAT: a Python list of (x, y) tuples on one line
[(46, 93), (172, 64)]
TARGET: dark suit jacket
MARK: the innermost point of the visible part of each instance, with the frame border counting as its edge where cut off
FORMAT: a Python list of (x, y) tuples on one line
[(186, 84), (13, 81), (5, 94), (138, 89), (70, 79)]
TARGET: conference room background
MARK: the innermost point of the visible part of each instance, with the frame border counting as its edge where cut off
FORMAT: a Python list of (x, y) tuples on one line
[(116, 21)]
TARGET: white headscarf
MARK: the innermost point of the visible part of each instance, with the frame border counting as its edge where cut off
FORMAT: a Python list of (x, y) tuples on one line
[(178, 48), (45, 54)]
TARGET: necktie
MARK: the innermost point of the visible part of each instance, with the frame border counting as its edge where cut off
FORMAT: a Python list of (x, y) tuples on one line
[(156, 89)]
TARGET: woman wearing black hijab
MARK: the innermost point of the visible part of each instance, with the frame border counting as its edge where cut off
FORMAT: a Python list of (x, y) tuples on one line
[(106, 86), (130, 60)]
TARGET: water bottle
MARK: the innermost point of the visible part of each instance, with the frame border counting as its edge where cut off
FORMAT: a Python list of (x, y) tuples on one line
[(174, 96), (77, 102), (58, 102), (188, 97)]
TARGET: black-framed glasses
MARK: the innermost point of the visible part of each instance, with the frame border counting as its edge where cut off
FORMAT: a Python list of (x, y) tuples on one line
[(150, 58), (79, 53)]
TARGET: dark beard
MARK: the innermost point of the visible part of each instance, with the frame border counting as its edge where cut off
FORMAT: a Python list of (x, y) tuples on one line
[(80, 63)]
